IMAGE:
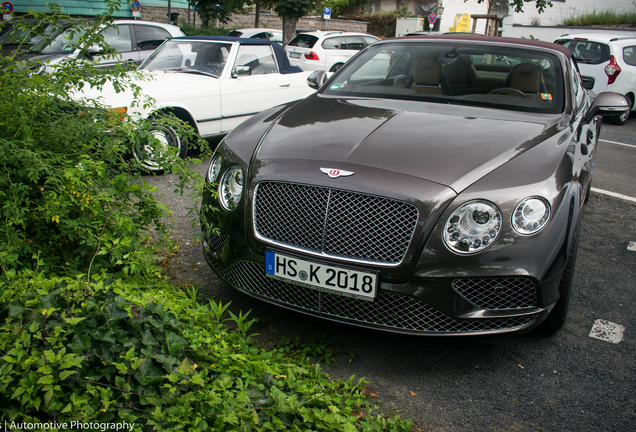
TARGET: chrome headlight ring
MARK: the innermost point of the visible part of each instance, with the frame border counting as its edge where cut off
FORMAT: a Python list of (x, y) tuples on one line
[(472, 227)]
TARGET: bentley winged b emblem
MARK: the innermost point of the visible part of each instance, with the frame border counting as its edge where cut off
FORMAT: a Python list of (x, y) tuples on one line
[(335, 173)]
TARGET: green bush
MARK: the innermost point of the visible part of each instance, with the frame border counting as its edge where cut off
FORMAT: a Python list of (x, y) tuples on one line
[(114, 351), (608, 18), (381, 24), (69, 193)]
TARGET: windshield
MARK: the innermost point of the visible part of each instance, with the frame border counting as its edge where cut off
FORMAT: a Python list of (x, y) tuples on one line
[(62, 42), (189, 56), (458, 73)]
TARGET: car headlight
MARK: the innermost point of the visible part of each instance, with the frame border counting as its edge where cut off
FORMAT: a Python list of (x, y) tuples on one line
[(231, 187), (531, 215), (215, 168), (472, 227)]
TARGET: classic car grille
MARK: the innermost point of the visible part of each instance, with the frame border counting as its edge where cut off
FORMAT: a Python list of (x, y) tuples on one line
[(498, 293), (334, 222), (390, 310), (216, 241)]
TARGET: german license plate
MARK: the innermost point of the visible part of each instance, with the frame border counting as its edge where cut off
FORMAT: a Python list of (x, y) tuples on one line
[(294, 55), (321, 277)]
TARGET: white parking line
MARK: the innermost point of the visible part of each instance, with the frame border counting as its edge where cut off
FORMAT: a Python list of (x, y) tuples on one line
[(614, 194), (607, 331), (618, 143)]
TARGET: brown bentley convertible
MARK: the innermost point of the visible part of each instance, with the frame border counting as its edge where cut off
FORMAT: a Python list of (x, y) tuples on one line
[(431, 186)]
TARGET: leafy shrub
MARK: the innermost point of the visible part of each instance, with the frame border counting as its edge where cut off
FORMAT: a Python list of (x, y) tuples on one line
[(381, 24), (69, 193), (111, 351)]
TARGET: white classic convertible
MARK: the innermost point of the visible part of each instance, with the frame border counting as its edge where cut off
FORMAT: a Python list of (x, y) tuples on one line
[(212, 83)]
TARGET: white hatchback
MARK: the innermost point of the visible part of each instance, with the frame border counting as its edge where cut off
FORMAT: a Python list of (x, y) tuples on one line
[(607, 62), (326, 50)]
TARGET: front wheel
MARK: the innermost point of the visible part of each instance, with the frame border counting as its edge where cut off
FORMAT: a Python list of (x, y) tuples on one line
[(336, 67), (153, 156), (559, 313)]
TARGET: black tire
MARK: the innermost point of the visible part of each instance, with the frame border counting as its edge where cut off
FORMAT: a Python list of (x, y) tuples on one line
[(622, 119), (558, 315), (167, 136), (588, 192), (336, 67)]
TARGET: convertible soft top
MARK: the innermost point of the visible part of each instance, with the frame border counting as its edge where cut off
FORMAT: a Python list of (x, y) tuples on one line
[(281, 56)]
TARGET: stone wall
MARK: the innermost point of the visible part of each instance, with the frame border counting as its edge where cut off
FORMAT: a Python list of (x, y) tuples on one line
[(268, 20), (160, 14)]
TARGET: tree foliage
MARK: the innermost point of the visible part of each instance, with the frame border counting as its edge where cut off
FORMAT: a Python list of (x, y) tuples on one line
[(222, 10)]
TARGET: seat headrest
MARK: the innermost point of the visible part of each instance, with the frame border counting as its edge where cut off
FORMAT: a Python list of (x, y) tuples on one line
[(526, 77), (426, 72)]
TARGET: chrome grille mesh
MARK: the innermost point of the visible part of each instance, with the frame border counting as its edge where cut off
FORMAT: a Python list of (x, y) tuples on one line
[(498, 293), (335, 222), (216, 240), (389, 310)]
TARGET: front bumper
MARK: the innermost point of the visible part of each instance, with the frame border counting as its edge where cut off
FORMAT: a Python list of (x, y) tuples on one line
[(432, 306)]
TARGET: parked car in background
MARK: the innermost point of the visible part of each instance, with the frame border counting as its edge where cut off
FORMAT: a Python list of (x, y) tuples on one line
[(608, 62), (134, 40), (326, 50), (388, 200), (211, 83), (21, 34), (259, 33)]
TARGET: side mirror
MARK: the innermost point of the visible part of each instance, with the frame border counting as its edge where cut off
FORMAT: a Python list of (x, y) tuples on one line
[(241, 71), (588, 82), (316, 79), (607, 104)]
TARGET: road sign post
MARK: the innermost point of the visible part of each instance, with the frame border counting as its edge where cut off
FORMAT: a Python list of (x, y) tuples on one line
[(432, 18), (136, 8), (7, 10)]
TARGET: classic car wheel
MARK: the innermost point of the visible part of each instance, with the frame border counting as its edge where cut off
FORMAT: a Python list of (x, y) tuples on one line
[(336, 67), (622, 119), (149, 157), (559, 313), (508, 89)]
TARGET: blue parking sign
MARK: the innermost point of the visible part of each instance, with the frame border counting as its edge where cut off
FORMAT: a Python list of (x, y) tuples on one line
[(327, 13)]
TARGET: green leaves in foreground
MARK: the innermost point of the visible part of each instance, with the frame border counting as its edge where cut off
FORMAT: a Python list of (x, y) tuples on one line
[(114, 351)]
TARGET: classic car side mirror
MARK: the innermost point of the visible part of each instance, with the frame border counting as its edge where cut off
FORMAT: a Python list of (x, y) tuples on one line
[(316, 79), (241, 71), (607, 104)]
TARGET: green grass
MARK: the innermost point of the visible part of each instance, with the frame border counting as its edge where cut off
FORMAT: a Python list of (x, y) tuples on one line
[(604, 18)]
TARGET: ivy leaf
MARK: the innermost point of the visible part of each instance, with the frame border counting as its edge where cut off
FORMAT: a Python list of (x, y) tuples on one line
[(147, 373), (175, 342), (105, 334), (16, 307), (80, 343), (148, 339), (71, 360), (114, 313)]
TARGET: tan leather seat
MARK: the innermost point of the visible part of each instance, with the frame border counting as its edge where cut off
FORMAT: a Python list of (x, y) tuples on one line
[(527, 78), (428, 77)]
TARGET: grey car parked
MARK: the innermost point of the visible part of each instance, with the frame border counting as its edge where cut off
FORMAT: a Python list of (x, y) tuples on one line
[(133, 40), (434, 185)]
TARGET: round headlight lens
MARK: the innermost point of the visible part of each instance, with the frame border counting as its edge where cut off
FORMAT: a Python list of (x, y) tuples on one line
[(472, 227), (531, 215), (215, 168), (231, 187)]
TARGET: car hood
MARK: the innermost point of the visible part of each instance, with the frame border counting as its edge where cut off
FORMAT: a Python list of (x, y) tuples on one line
[(161, 86), (448, 144)]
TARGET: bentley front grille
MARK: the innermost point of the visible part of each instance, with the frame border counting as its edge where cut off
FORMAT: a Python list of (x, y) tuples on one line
[(390, 310), (334, 222), (498, 293)]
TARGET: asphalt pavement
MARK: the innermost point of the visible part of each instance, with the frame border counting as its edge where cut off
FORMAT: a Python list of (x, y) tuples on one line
[(583, 378)]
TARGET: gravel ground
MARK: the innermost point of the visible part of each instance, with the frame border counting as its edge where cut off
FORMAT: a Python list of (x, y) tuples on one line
[(562, 382)]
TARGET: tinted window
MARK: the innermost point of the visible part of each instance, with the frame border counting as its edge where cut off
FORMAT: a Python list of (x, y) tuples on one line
[(629, 55), (118, 38), (235, 33), (353, 43), (303, 41), (531, 80), (334, 43), (369, 40), (587, 51), (149, 37)]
